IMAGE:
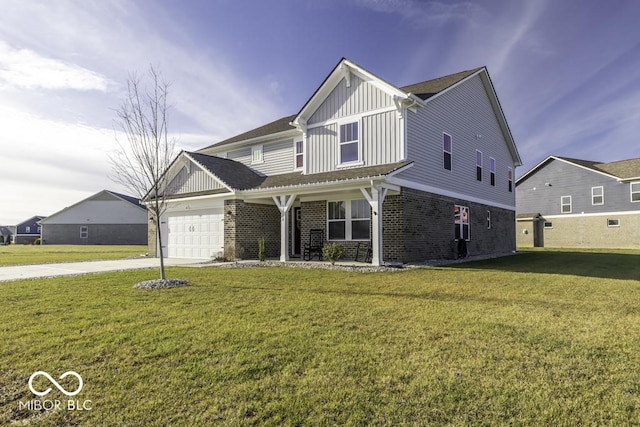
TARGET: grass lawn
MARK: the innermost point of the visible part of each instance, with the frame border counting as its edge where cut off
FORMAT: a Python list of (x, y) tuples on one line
[(35, 254), (543, 338)]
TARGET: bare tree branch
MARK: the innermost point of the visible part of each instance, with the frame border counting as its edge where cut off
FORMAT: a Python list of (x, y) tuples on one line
[(145, 150)]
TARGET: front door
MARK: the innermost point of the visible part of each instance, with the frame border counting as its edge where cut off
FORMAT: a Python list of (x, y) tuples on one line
[(296, 231)]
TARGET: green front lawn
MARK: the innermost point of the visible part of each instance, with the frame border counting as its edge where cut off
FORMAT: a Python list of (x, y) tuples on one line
[(34, 254), (525, 340)]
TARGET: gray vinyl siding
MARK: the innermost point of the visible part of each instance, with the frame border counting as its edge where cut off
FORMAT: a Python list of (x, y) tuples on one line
[(569, 180), (347, 101), (463, 112), (189, 182), (277, 156), (378, 138), (322, 144)]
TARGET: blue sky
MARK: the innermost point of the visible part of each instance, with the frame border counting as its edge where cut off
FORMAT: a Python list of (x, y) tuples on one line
[(566, 73)]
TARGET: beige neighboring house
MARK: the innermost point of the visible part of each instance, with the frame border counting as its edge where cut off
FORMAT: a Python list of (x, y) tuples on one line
[(565, 202), (106, 218)]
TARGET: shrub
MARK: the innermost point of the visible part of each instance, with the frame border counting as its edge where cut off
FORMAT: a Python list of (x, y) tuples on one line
[(333, 252), (262, 249)]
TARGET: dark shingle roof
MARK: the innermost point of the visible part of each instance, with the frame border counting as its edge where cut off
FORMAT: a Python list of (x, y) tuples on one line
[(133, 200), (232, 173), (277, 126), (240, 177), (622, 169), (427, 89)]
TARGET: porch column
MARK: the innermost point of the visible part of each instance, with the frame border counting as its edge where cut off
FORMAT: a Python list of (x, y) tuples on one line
[(375, 196), (284, 204)]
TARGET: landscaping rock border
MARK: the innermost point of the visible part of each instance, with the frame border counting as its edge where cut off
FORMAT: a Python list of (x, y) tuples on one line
[(161, 284)]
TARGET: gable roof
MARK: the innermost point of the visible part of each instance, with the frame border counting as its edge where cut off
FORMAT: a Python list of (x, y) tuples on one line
[(129, 199), (622, 170), (35, 218), (427, 89), (275, 127), (234, 175)]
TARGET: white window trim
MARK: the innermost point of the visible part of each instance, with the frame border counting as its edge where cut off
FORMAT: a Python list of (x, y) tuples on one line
[(479, 165), (445, 151), (562, 204), (296, 154), (27, 229), (492, 170), (544, 225), (359, 161), (348, 220), (599, 195), (631, 192), (461, 224), (84, 232), (613, 226), (257, 148)]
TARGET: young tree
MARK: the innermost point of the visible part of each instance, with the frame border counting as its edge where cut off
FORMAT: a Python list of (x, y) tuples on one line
[(145, 150)]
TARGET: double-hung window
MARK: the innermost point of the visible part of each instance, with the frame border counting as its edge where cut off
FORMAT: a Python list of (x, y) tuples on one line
[(492, 170), (27, 229), (479, 165), (256, 154), (84, 232), (461, 222), (565, 204), (635, 191), (447, 150), (349, 142), (349, 220), (597, 195), (298, 148)]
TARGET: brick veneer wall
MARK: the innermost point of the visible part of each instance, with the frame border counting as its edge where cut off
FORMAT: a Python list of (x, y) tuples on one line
[(429, 227), (245, 223), (592, 232)]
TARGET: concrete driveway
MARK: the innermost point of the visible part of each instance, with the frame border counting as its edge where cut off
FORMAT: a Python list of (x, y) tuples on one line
[(71, 268)]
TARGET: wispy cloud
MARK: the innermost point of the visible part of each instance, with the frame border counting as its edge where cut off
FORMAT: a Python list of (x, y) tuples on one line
[(27, 69), (420, 13)]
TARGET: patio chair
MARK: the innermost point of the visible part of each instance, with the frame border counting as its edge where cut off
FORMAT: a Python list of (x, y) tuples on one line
[(314, 246), (363, 250)]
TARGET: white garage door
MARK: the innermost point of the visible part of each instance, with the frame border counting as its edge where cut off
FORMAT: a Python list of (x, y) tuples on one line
[(196, 234)]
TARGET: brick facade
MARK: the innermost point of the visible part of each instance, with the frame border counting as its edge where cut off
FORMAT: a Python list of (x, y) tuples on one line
[(592, 232), (245, 223)]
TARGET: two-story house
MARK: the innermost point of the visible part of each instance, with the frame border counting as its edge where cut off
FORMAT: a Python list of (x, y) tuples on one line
[(28, 231), (565, 202), (408, 170)]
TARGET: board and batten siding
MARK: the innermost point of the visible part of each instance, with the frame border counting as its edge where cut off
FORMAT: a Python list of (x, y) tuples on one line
[(277, 157), (464, 112), (190, 182), (557, 178), (344, 101), (378, 138)]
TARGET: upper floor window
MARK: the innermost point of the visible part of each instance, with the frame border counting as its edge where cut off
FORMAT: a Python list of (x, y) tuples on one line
[(565, 204), (39, 229), (510, 178), (447, 148), (298, 148), (635, 191), (256, 154), (461, 222), (27, 229), (597, 195), (349, 220), (492, 169), (349, 142), (479, 165)]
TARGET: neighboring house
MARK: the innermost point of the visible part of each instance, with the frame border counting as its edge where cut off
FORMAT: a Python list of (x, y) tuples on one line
[(5, 235), (565, 202), (405, 170), (106, 218), (28, 231)]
